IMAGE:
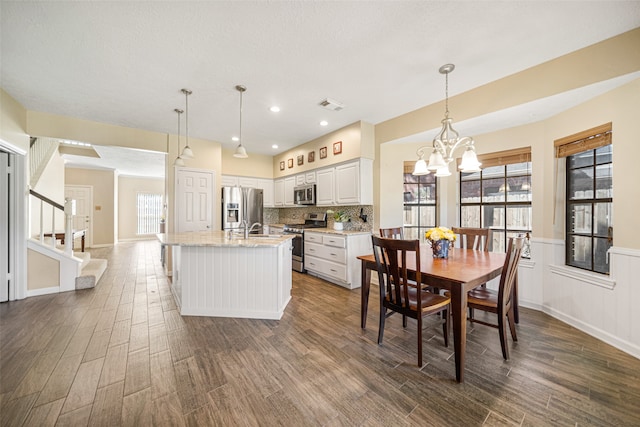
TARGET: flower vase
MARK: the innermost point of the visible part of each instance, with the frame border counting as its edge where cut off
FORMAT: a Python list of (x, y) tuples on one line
[(338, 226), (440, 248)]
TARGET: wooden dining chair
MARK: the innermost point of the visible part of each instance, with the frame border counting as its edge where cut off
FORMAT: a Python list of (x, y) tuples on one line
[(392, 233), (500, 302), (395, 260), (473, 238)]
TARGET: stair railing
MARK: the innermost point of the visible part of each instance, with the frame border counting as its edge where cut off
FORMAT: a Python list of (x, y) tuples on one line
[(68, 210)]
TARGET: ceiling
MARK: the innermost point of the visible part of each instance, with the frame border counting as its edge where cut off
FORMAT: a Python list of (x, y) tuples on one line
[(124, 63)]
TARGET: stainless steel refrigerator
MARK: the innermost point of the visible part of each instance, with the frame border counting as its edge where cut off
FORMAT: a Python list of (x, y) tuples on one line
[(241, 204)]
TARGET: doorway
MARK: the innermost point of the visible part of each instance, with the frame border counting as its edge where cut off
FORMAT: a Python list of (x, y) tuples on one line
[(83, 219)]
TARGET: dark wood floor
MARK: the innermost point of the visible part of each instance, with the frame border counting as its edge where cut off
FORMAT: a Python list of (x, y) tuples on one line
[(120, 354)]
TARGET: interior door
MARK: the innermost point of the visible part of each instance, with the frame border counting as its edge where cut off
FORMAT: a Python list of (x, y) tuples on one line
[(5, 248), (83, 219), (194, 200)]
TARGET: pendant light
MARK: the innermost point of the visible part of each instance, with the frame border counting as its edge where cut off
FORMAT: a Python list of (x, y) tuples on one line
[(446, 142), (187, 153), (240, 153), (179, 161)]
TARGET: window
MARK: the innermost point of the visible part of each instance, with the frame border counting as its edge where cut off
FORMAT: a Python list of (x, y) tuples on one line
[(149, 213), (499, 196), (419, 203), (589, 201)]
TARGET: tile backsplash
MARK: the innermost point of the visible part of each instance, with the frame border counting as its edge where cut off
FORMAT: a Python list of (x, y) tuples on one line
[(296, 215)]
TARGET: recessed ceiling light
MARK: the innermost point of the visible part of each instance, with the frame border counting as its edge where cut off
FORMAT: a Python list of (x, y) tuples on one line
[(235, 138), (324, 123), (275, 109), (274, 146)]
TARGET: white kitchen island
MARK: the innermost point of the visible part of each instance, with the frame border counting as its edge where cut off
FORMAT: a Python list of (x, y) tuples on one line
[(217, 276)]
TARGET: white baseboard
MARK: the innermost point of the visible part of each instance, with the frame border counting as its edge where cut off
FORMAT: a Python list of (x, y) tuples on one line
[(43, 291), (104, 245), (625, 346)]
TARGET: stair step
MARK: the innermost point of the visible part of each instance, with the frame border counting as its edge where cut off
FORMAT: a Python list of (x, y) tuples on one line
[(91, 273), (84, 256)]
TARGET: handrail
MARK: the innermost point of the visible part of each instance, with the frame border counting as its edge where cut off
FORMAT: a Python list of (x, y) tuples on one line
[(46, 199)]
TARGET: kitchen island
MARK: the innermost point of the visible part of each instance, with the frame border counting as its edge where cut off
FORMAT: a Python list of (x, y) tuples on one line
[(230, 277)]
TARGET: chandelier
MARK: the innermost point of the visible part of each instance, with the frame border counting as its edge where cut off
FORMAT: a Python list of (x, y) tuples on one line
[(240, 150), (445, 143)]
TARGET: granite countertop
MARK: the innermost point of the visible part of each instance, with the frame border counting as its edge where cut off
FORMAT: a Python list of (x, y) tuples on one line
[(219, 239), (338, 232)]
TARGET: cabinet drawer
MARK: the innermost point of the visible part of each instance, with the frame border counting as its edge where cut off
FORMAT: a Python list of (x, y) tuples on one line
[(328, 268), (338, 255), (311, 237), (336, 241)]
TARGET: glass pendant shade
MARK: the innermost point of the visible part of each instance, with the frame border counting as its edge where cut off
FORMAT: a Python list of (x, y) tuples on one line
[(443, 171), (470, 161), (240, 153), (178, 162), (436, 161), (421, 168), (187, 153)]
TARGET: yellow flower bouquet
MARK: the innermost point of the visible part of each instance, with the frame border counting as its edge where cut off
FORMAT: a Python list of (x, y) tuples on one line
[(440, 238)]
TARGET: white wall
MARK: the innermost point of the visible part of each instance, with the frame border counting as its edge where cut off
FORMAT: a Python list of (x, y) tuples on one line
[(128, 189)]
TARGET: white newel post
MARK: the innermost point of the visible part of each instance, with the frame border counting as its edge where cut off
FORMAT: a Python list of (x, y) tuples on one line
[(69, 212)]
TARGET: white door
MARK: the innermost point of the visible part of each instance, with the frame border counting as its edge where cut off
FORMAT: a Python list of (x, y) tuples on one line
[(194, 200), (83, 219), (5, 249)]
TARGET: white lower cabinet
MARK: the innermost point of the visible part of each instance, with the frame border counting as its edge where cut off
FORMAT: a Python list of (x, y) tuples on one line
[(332, 256)]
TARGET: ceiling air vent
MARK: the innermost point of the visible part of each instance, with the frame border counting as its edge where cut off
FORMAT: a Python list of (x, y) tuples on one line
[(332, 105)]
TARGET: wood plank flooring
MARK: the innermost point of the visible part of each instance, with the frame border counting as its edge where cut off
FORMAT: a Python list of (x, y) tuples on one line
[(121, 354)]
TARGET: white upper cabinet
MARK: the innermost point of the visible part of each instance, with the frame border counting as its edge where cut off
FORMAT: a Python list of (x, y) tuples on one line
[(289, 185), (350, 183), (267, 191), (325, 185), (244, 181), (278, 192), (300, 179), (229, 181)]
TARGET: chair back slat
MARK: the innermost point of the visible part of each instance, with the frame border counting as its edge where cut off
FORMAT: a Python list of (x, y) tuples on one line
[(509, 272), (392, 233), (392, 258), (473, 238)]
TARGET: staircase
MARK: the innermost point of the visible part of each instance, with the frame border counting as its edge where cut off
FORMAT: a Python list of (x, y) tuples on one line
[(91, 270)]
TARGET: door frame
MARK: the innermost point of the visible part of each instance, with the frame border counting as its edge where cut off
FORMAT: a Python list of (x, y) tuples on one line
[(89, 240), (18, 220)]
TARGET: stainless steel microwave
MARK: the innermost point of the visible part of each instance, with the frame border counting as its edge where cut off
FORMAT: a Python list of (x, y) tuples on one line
[(305, 195)]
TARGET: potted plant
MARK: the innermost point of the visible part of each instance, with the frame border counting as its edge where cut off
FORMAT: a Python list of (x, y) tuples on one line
[(339, 218), (440, 238)]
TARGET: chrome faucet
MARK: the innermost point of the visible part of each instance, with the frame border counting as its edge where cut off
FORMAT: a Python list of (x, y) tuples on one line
[(248, 229)]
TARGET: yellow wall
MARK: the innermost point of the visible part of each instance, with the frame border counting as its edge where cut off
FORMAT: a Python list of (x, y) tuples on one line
[(42, 271), (63, 127), (357, 141), (128, 189), (104, 201), (610, 58), (13, 122), (256, 165)]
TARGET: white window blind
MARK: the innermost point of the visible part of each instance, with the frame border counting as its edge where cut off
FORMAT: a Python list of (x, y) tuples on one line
[(149, 213)]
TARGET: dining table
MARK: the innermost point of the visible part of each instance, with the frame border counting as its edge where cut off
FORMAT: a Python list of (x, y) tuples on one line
[(462, 271)]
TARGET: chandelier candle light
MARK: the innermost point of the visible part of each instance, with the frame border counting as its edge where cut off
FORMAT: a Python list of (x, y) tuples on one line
[(445, 144), (240, 153)]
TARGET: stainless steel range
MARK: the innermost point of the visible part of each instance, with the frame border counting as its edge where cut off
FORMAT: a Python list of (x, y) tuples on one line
[(311, 220)]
